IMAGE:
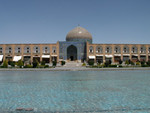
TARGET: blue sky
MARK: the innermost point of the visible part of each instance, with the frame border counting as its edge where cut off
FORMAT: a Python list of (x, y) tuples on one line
[(49, 21)]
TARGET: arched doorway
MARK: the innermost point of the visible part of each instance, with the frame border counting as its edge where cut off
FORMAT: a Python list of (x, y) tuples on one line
[(72, 53)]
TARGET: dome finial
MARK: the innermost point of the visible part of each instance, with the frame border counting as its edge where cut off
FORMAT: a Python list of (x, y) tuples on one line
[(78, 25)]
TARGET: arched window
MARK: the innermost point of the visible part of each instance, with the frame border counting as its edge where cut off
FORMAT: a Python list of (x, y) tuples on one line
[(1, 50), (99, 49), (125, 49), (54, 49), (36, 49), (134, 49), (27, 49), (143, 49), (8, 49), (108, 49), (117, 49), (46, 49), (91, 49), (17, 49)]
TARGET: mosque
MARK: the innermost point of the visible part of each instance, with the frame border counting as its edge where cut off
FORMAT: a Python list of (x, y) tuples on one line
[(78, 47)]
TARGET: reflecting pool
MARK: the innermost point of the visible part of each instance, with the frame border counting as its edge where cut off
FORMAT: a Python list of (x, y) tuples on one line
[(76, 91)]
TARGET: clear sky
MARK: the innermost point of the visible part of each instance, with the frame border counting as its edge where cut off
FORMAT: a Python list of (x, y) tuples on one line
[(49, 21)]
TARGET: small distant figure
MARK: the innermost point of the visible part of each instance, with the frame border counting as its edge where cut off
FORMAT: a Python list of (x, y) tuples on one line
[(29, 109), (25, 109), (19, 109)]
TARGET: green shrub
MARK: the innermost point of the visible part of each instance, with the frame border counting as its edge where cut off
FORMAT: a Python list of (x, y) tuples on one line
[(9, 62), (28, 66), (83, 64), (110, 61), (63, 63), (142, 62), (120, 66), (40, 66), (120, 61), (91, 62), (5, 64), (103, 65), (46, 66), (132, 63), (20, 63), (12, 63), (127, 62), (35, 64), (143, 65), (106, 64), (99, 65), (43, 63), (112, 65), (54, 63), (148, 63), (94, 66), (138, 63)]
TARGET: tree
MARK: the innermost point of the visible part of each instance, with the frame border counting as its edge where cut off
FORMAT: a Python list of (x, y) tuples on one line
[(143, 62), (106, 63), (120, 61), (63, 63), (132, 63), (12, 63), (43, 63), (138, 63), (127, 62), (91, 62), (148, 63), (35, 63), (110, 62), (20, 63), (5, 64), (54, 63)]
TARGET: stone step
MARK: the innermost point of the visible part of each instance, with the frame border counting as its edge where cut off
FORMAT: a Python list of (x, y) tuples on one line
[(73, 64)]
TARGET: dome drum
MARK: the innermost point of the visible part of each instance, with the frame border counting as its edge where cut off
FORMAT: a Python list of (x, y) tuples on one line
[(79, 40)]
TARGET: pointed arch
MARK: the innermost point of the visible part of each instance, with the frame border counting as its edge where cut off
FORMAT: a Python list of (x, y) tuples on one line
[(72, 53)]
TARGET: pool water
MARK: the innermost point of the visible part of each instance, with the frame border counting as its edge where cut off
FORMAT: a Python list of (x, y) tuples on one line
[(76, 91)]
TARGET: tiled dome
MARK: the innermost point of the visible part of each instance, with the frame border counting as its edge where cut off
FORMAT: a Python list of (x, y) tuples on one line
[(78, 33)]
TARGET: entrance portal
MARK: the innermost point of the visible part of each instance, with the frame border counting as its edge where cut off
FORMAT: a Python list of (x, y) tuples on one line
[(72, 53), (71, 58)]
